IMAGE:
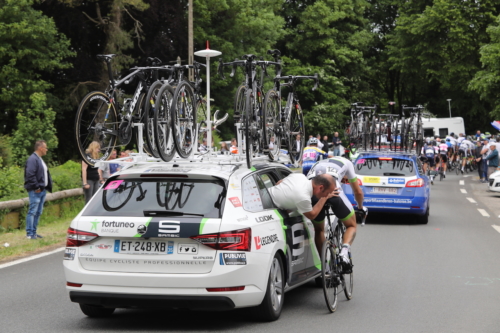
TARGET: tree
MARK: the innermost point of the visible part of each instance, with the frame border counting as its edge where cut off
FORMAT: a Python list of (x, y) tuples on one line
[(34, 123), (30, 45)]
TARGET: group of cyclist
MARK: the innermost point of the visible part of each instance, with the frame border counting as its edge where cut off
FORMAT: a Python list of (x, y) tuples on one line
[(437, 154)]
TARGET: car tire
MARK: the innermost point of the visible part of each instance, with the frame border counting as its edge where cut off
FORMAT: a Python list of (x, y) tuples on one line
[(272, 304), (96, 311), (424, 219)]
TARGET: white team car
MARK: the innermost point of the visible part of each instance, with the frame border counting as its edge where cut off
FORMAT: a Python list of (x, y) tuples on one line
[(188, 235), (494, 182)]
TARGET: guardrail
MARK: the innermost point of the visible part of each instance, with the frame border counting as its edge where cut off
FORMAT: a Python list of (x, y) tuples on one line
[(20, 203)]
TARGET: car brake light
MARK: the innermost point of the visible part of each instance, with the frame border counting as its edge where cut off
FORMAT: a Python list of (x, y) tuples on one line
[(76, 238), (71, 284), (237, 240), (226, 289), (385, 158), (415, 183)]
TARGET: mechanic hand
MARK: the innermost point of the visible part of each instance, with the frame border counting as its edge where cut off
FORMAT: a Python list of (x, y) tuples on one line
[(279, 182), (334, 193)]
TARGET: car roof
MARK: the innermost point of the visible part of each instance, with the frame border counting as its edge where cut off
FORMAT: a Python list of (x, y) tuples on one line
[(387, 153)]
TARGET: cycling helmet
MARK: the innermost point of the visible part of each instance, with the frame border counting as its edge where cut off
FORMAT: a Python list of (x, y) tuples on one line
[(452, 134), (448, 139), (313, 141), (322, 168)]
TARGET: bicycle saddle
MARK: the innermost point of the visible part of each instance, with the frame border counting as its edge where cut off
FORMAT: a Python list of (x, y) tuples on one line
[(106, 57)]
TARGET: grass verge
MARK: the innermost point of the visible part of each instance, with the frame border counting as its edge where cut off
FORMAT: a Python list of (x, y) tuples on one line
[(54, 235)]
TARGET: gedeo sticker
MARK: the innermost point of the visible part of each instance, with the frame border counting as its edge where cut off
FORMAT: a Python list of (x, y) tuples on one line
[(233, 259), (69, 254), (113, 185), (373, 180), (360, 161), (235, 201)]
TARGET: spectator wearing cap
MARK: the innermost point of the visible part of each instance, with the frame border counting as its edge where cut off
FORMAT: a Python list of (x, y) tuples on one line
[(492, 159)]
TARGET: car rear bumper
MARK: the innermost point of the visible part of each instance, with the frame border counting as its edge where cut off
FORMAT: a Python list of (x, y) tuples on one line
[(416, 206), (112, 300)]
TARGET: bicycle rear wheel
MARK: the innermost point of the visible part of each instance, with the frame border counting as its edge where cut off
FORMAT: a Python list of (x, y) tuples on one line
[(247, 130), (149, 113), (295, 127), (162, 123), (96, 121), (330, 274), (272, 124), (346, 279), (184, 119)]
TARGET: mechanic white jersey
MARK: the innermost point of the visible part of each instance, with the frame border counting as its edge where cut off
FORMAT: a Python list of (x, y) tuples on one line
[(343, 166), (293, 193)]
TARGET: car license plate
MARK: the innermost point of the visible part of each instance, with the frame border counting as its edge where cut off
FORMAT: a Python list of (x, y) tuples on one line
[(144, 247), (385, 190)]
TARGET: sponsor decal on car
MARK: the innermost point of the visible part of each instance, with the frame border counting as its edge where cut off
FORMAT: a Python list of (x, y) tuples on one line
[(264, 218), (170, 247), (396, 180), (379, 200), (110, 226), (142, 229), (170, 229), (148, 262), (373, 180), (114, 184), (203, 258), (187, 248), (69, 254), (235, 201), (102, 246), (233, 259), (245, 218), (266, 240), (85, 254)]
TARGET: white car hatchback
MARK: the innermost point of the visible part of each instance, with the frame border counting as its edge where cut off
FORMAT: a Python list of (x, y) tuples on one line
[(188, 236), (494, 182)]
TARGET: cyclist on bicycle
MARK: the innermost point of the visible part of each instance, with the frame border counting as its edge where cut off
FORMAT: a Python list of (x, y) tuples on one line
[(463, 150), (339, 167), (442, 158), (311, 155), (430, 151)]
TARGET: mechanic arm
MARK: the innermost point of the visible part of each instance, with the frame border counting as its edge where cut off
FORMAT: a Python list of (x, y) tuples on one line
[(358, 193), (319, 205)]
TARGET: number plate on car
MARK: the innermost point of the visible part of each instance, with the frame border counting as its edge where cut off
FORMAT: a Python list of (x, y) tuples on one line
[(144, 247), (385, 190)]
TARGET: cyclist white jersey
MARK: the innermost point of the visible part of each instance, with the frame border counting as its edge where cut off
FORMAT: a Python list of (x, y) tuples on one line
[(465, 146), (453, 141), (459, 140), (343, 166)]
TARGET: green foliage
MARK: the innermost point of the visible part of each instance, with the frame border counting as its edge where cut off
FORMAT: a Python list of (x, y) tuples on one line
[(36, 123), (30, 45), (11, 182), (5, 151), (66, 176)]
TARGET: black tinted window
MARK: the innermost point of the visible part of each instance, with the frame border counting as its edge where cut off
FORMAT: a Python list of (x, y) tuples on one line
[(152, 197), (385, 167)]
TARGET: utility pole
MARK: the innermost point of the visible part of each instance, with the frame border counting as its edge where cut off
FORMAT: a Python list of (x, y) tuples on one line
[(190, 39), (449, 105)]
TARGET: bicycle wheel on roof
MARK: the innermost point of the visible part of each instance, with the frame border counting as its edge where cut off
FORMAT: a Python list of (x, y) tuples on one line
[(184, 119)]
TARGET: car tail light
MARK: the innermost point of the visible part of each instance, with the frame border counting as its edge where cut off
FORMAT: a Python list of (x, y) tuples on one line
[(76, 238), (71, 284), (385, 158), (415, 183), (237, 240), (226, 289)]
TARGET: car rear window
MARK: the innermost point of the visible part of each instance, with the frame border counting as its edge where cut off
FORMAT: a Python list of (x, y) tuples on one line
[(158, 197), (385, 166)]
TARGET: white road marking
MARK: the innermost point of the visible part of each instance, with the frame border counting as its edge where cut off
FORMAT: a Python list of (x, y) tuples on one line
[(463, 191), (466, 176), (36, 256), (471, 200), (461, 182), (483, 212), (497, 228)]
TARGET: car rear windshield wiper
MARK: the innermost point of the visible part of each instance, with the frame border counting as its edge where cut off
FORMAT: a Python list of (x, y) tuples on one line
[(393, 174), (167, 213)]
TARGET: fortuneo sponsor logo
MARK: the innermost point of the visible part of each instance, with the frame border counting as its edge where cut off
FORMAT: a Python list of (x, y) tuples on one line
[(113, 224)]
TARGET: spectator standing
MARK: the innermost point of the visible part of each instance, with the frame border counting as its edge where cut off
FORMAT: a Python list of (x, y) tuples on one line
[(234, 146), (37, 182), (485, 152), (478, 135), (492, 159), (336, 144), (107, 169), (272, 142), (90, 174), (326, 146), (224, 148), (479, 160), (320, 143), (297, 151)]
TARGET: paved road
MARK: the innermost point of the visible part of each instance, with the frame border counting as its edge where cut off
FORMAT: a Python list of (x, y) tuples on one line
[(440, 277)]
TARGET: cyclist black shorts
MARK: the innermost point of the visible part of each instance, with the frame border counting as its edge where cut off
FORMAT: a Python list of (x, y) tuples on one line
[(342, 209), (431, 161), (444, 158), (462, 153), (423, 159)]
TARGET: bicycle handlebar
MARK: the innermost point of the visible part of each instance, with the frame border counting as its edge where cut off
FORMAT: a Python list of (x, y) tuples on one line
[(292, 78)]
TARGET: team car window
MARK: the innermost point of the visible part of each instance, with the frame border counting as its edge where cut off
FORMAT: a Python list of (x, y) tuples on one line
[(264, 182), (267, 180), (385, 166), (159, 197), (252, 201)]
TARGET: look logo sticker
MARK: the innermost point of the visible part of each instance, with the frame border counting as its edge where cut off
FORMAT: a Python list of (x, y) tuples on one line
[(113, 185)]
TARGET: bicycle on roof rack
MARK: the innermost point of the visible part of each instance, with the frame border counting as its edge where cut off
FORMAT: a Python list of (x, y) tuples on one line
[(101, 116), (361, 130), (413, 136)]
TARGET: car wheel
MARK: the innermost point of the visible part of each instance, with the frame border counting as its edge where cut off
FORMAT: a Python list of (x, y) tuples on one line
[(271, 306), (424, 219), (96, 311)]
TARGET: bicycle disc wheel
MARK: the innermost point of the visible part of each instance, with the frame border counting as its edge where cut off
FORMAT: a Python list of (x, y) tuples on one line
[(184, 119), (295, 127), (162, 123), (96, 121), (271, 125), (149, 115), (330, 275)]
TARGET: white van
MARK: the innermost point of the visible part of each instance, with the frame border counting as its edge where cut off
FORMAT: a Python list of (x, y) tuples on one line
[(443, 126)]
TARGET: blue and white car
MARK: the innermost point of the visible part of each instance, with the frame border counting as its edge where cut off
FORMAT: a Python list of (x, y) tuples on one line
[(392, 182), (188, 235)]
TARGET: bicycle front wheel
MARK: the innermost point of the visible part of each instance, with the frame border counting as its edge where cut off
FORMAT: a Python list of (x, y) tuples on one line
[(271, 128), (295, 127), (247, 128), (96, 122), (149, 115), (184, 119), (162, 123), (330, 277)]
